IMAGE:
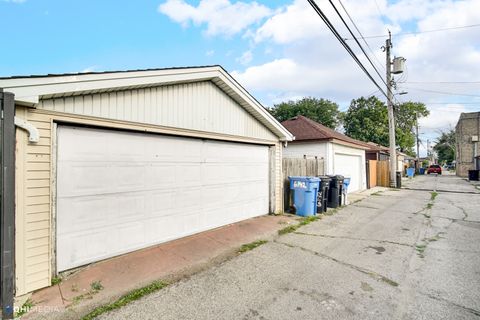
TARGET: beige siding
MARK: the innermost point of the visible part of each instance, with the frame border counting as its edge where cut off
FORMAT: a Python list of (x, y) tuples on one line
[(278, 178), (33, 206), (198, 106)]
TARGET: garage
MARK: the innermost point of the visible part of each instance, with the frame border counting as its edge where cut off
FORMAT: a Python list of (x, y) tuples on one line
[(338, 153), (349, 166), (111, 162), (153, 188)]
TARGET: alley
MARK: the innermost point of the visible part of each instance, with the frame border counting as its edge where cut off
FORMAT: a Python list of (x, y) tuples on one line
[(398, 254)]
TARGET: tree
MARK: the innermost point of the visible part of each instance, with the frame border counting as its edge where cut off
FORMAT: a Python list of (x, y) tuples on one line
[(406, 117), (320, 110), (367, 120), (445, 146)]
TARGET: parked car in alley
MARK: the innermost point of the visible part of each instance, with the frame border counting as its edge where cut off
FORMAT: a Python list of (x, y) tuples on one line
[(434, 168)]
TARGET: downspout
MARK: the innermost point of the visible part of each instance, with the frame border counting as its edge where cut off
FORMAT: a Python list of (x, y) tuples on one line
[(33, 134)]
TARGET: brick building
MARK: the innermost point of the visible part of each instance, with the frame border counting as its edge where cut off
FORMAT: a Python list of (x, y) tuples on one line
[(467, 134)]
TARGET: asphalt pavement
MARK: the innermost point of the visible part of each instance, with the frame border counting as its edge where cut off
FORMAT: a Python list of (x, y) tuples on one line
[(398, 254)]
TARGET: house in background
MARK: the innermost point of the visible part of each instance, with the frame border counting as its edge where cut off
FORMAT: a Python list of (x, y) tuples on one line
[(467, 133), (342, 154), (112, 162)]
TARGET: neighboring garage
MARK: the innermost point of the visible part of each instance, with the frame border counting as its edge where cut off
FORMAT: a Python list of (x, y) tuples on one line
[(341, 154), (127, 160)]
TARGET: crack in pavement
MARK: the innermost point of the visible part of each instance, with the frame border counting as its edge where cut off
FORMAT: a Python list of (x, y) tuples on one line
[(443, 191), (370, 273), (473, 311), (367, 207), (352, 238)]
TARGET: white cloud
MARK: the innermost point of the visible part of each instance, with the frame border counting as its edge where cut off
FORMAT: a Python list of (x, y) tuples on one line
[(245, 58), (221, 16), (15, 1), (89, 69), (210, 53)]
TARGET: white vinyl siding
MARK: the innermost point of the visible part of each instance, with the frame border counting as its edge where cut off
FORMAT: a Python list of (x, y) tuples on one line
[(198, 106)]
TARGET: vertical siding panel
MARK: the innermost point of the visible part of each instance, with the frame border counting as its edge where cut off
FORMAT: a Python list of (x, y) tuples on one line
[(47, 104), (155, 105), (97, 105), (68, 105), (104, 105), (121, 105), (112, 105), (127, 96), (134, 116), (88, 105), (78, 106), (148, 105)]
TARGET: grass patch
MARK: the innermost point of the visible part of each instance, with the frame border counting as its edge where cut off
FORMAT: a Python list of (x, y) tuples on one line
[(126, 299), (303, 222), (288, 229), (378, 193), (56, 280), (26, 307), (96, 286), (433, 195), (251, 246), (429, 205)]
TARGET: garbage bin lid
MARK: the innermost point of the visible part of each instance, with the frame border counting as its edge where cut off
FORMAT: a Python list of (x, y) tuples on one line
[(304, 178)]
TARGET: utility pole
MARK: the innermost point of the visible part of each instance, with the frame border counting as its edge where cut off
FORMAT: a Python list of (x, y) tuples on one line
[(391, 119)]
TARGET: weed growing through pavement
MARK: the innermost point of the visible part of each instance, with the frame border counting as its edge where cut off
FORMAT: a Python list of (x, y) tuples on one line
[(303, 222), (56, 280), (251, 246), (126, 299)]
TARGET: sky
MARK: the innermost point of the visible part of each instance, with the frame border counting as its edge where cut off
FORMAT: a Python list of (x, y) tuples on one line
[(278, 50)]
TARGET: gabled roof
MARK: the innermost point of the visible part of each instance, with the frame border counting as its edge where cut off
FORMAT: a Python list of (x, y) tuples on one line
[(29, 90), (305, 129)]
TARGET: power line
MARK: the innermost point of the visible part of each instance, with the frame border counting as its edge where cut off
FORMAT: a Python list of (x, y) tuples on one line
[(445, 82), (453, 103), (361, 35), (358, 43), (344, 44), (444, 92), (420, 32)]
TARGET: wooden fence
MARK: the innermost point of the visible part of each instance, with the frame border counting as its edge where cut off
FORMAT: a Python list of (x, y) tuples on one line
[(383, 176), (299, 167)]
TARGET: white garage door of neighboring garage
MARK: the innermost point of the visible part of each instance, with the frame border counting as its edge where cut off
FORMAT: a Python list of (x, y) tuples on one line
[(121, 191), (349, 165)]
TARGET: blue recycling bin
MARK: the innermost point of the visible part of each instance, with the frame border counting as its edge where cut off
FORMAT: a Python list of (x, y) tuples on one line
[(305, 191), (346, 183), (410, 172), (421, 171)]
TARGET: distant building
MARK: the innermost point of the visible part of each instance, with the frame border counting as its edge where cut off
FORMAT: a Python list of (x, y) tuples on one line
[(467, 133)]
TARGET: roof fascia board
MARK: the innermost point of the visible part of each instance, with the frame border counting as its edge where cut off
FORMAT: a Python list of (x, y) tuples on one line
[(28, 91), (32, 89), (239, 90)]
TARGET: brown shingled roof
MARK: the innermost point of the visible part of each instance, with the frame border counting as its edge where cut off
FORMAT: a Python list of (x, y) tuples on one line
[(304, 129)]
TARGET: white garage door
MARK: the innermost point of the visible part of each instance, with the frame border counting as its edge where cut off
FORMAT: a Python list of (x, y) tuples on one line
[(351, 166), (121, 191)]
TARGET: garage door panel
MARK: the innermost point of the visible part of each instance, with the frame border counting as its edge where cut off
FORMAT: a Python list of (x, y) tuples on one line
[(167, 188), (351, 166)]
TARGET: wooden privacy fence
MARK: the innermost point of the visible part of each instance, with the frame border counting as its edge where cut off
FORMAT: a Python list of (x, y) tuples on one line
[(299, 167), (383, 176), (372, 173)]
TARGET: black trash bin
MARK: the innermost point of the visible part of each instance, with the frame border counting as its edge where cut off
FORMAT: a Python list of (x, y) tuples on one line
[(473, 175), (322, 198), (335, 191), (399, 179)]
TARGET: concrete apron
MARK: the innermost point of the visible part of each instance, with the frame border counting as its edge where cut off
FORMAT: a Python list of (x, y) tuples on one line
[(73, 297)]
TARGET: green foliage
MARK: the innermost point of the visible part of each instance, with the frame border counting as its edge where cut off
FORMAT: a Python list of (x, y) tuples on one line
[(251, 246), (56, 280), (406, 115), (126, 299), (319, 110), (445, 147), (367, 119)]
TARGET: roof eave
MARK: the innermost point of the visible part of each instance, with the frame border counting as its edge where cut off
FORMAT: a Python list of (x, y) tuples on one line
[(29, 90)]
